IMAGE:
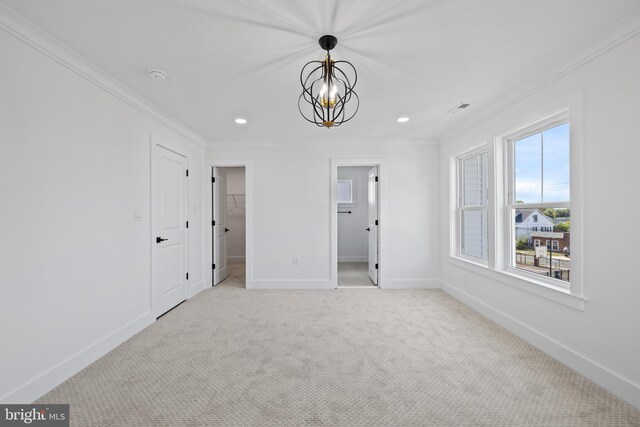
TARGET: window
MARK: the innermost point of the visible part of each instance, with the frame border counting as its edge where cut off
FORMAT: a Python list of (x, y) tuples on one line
[(345, 191), (472, 205), (539, 192)]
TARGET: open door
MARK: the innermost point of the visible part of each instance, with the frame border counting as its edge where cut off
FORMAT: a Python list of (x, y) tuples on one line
[(373, 224), (169, 227), (219, 224)]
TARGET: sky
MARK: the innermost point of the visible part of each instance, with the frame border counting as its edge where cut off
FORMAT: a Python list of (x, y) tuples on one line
[(542, 163)]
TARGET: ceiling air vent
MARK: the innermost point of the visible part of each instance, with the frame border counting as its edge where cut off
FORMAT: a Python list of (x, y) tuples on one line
[(460, 107)]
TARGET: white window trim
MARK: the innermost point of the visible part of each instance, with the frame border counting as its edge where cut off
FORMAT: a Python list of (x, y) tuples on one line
[(572, 104), (352, 186), (458, 208), (529, 285), (510, 206)]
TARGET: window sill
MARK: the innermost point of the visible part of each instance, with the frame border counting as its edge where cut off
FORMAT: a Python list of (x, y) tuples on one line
[(471, 260), (532, 286)]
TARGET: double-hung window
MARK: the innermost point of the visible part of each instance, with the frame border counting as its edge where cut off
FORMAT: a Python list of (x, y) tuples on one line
[(472, 206), (538, 202)]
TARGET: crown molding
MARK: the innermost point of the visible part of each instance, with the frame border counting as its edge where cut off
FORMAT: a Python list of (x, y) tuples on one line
[(323, 142), (23, 30), (603, 42)]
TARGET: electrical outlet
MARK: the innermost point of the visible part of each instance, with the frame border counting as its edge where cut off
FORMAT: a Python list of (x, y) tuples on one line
[(296, 260)]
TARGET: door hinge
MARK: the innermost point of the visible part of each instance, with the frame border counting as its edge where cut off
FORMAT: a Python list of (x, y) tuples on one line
[(187, 276), (213, 222), (187, 224), (213, 179), (376, 222), (376, 266), (376, 179), (213, 266), (187, 172)]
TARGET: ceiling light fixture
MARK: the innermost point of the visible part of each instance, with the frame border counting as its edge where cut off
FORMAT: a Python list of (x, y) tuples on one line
[(403, 119), (240, 121), (326, 89)]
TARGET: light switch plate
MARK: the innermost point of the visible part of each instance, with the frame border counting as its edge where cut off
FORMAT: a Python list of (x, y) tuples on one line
[(137, 215)]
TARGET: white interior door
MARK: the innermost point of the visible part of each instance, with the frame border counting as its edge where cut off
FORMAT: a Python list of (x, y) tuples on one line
[(220, 229), (169, 210), (373, 224)]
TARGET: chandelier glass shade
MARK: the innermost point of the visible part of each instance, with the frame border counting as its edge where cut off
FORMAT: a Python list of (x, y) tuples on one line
[(327, 98)]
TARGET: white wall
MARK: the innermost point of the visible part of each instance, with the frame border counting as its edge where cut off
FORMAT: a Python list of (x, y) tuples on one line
[(74, 164), (236, 215), (603, 340), (291, 210), (353, 238)]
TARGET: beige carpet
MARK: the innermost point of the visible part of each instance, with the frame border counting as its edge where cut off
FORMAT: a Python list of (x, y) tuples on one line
[(348, 357), (354, 274)]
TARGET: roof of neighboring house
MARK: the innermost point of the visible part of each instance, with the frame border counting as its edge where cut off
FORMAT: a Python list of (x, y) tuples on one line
[(548, 234), (523, 214)]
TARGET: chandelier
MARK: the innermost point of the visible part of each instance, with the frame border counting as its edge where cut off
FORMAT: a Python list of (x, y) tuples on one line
[(327, 88)]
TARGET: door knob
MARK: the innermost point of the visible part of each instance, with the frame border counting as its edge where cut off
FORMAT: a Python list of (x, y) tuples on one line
[(368, 228), (226, 230), (160, 239)]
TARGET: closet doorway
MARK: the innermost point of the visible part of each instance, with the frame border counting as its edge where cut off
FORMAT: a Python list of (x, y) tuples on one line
[(228, 225)]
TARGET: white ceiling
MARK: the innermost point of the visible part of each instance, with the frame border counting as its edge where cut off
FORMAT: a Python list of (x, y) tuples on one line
[(228, 58)]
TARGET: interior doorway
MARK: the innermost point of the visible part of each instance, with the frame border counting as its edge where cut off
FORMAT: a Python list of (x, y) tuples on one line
[(169, 229), (357, 226), (228, 231)]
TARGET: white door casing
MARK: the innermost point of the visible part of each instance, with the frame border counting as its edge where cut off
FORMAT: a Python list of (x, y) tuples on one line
[(169, 229), (219, 233), (372, 196)]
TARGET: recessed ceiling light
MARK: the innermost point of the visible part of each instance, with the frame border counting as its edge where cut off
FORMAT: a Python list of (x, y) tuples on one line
[(403, 119), (158, 74), (240, 121)]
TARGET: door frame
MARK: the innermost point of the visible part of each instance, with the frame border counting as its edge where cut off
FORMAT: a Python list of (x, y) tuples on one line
[(248, 184), (382, 211), (156, 142)]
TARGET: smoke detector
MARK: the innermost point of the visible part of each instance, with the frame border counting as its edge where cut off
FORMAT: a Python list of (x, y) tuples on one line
[(158, 74), (461, 106)]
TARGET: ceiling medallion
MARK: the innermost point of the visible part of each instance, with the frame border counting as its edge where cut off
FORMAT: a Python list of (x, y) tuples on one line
[(327, 88)]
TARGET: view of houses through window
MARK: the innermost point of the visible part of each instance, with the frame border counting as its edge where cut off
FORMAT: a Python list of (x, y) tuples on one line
[(544, 247), (540, 211)]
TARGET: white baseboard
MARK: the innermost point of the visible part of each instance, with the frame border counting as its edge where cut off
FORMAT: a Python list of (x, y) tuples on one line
[(410, 284), (616, 384), (46, 381), (236, 259), (290, 284), (353, 259), (195, 289)]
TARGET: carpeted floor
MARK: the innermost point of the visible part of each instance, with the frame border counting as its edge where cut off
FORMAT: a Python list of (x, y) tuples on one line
[(354, 274), (347, 357)]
